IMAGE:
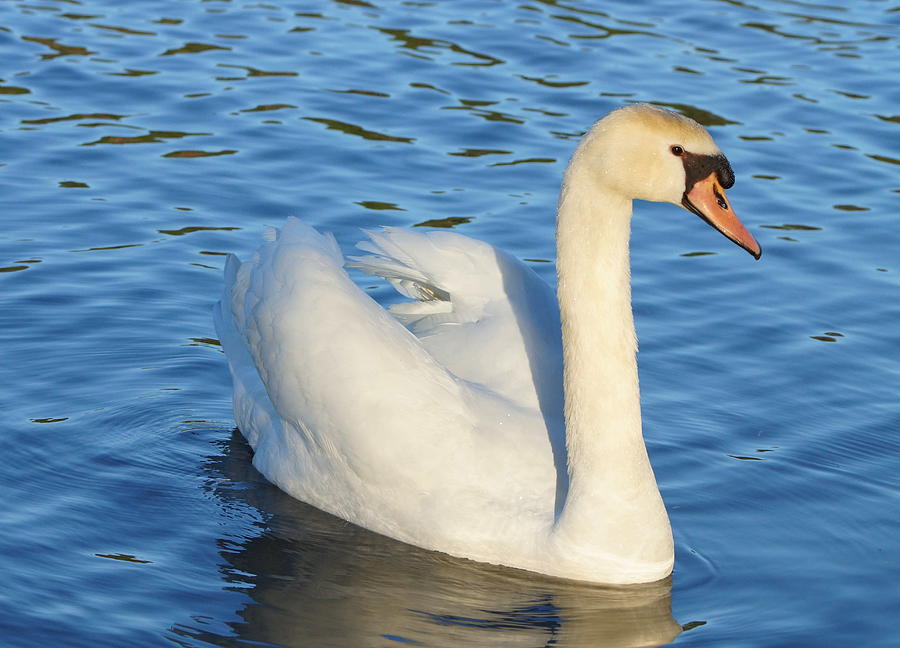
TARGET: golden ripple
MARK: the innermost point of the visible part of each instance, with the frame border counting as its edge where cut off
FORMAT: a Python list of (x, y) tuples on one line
[(152, 137), (525, 161), (752, 458), (74, 117), (884, 158), (605, 31), (548, 113), (367, 93), (358, 131), (803, 97), (198, 154), (124, 30), (428, 86), (110, 247), (450, 221), (203, 341), (77, 16), (419, 45), (267, 107), (852, 95), (699, 115), (124, 558), (254, 72), (479, 152), (58, 48), (545, 81), (828, 336), (128, 72), (770, 79), (195, 228), (478, 107), (194, 48), (379, 206), (793, 227)]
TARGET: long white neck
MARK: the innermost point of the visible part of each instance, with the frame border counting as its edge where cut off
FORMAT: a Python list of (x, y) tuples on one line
[(613, 508)]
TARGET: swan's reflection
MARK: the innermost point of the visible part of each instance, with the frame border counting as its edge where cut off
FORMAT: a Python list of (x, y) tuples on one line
[(315, 580)]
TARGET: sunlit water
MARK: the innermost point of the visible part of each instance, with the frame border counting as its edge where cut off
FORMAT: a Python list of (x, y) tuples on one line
[(143, 140)]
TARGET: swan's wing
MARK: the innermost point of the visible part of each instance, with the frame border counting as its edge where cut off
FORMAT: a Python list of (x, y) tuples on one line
[(348, 411), (483, 314)]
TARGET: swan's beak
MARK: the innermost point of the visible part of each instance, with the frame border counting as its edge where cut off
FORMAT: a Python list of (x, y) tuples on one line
[(707, 199)]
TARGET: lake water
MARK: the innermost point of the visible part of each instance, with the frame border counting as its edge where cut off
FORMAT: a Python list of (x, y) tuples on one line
[(142, 141)]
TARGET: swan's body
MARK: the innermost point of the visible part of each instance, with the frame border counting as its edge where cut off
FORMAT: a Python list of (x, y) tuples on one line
[(450, 422)]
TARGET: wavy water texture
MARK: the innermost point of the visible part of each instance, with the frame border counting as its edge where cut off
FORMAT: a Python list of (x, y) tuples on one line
[(143, 141)]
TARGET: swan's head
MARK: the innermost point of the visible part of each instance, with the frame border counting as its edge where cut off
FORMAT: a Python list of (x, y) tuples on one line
[(645, 152)]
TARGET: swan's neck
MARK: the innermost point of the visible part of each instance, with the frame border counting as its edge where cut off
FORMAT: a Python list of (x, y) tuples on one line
[(613, 506)]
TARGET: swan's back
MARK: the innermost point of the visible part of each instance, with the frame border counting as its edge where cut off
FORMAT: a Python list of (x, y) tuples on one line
[(436, 440), (481, 313)]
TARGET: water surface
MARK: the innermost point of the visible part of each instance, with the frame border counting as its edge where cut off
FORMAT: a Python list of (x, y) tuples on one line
[(142, 141)]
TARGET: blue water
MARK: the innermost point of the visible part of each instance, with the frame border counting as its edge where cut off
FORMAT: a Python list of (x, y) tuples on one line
[(141, 141)]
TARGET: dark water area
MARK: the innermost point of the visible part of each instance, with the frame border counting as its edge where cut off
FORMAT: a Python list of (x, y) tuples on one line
[(142, 141)]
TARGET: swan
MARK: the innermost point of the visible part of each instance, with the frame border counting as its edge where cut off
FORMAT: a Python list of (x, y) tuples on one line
[(485, 417)]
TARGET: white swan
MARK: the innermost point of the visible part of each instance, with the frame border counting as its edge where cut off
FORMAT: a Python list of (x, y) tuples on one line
[(463, 421)]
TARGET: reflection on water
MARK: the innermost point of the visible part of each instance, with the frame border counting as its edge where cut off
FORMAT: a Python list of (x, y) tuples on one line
[(312, 575), (359, 131)]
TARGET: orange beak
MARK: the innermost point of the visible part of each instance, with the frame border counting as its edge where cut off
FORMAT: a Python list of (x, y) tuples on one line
[(707, 199)]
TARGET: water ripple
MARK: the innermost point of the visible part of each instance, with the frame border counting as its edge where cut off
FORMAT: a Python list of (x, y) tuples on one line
[(144, 142)]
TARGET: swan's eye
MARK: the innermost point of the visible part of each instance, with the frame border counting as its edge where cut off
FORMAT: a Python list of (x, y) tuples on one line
[(677, 150)]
